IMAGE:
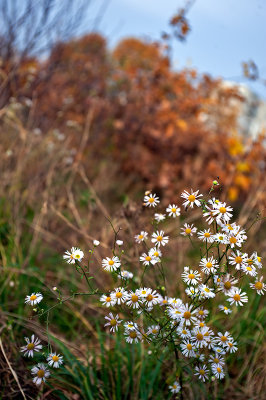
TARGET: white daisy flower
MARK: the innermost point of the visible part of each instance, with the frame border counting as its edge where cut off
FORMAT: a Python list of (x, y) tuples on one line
[(151, 200), (173, 210), (134, 300), (187, 315), (131, 326), (96, 243), (55, 360), (107, 300), (188, 230), (141, 236), (202, 372), (209, 214), (202, 313), (237, 297), (198, 337), (257, 259), (119, 242), (218, 372), (119, 295), (222, 212), (163, 301), (32, 345), (191, 198), (238, 259), (34, 299), (175, 302), (216, 360), (175, 387), (111, 264), (184, 333), (132, 336), (146, 259), (191, 277), (227, 283), (153, 330), (113, 322), (231, 346), (125, 275), (259, 286), (221, 238), (206, 236), (205, 291), (222, 339), (41, 372), (188, 348), (152, 298), (225, 309), (208, 265), (159, 239), (249, 270), (159, 217), (192, 291), (75, 254), (235, 240), (155, 253)]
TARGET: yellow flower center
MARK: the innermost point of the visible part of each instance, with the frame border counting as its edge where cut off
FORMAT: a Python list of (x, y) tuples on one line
[(258, 285), (77, 256), (216, 360), (249, 261), (111, 262), (233, 239), (201, 312), (222, 210), (184, 332), (134, 298), (148, 258), (188, 231), (189, 346), (229, 227), (187, 314), (159, 238), (207, 290), (113, 322), (201, 324), (173, 210), (238, 260), (55, 358), (165, 302), (33, 297), (199, 336), (202, 372), (237, 297), (40, 373), (133, 335), (191, 276), (108, 299), (174, 386), (230, 344), (141, 236), (207, 234), (191, 198), (149, 297), (119, 295), (227, 285), (30, 346), (259, 259), (154, 331), (151, 200), (225, 308), (223, 338), (156, 254), (219, 369), (249, 269), (209, 265)]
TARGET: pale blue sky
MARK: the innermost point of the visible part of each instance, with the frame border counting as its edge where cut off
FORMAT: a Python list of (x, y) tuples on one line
[(224, 32)]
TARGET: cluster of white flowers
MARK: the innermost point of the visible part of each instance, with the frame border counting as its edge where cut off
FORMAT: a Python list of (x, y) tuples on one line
[(40, 371), (152, 315), (221, 267)]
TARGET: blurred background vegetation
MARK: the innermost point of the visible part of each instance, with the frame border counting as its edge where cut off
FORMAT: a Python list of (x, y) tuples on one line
[(84, 131)]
